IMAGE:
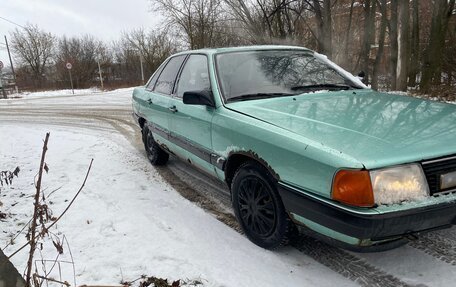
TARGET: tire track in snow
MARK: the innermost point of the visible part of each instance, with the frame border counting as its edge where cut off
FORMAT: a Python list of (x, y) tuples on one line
[(437, 246), (346, 264)]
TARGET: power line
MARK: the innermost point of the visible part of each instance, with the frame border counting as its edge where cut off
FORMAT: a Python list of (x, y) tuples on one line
[(14, 23)]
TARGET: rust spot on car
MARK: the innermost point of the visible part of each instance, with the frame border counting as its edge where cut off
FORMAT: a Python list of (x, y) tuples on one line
[(256, 157)]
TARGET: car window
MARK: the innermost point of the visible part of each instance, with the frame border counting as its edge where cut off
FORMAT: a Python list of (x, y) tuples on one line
[(150, 85), (165, 82), (194, 76)]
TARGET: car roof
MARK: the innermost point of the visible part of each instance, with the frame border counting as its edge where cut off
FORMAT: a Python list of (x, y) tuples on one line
[(210, 51)]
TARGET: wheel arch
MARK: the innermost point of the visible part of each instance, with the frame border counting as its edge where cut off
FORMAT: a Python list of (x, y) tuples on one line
[(141, 122), (236, 159)]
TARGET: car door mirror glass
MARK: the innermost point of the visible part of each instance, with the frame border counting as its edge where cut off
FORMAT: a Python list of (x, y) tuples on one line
[(204, 98)]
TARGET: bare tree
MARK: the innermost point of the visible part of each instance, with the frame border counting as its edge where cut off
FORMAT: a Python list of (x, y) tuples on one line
[(125, 66), (246, 15), (381, 44), (408, 42), (414, 59), (369, 10), (198, 20), (306, 22), (322, 10), (33, 48), (348, 33), (277, 20), (83, 53), (433, 55), (154, 46), (403, 45), (393, 43)]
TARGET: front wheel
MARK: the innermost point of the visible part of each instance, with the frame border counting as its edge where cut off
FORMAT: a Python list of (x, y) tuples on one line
[(155, 154), (258, 207)]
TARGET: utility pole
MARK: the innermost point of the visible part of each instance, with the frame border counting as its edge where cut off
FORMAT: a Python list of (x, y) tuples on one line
[(101, 76), (142, 69), (1, 83), (11, 63), (71, 80), (69, 66)]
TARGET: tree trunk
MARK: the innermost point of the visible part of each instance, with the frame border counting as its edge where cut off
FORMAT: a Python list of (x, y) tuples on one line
[(433, 55), (346, 58), (324, 23), (381, 45), (393, 43), (369, 35), (403, 45), (327, 28), (414, 45)]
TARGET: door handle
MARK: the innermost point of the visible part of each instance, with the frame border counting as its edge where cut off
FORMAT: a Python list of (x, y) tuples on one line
[(149, 101), (173, 109)]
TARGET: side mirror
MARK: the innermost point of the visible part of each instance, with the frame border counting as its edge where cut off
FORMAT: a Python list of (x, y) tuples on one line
[(203, 98)]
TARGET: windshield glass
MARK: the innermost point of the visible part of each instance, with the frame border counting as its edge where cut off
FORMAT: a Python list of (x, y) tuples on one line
[(272, 73)]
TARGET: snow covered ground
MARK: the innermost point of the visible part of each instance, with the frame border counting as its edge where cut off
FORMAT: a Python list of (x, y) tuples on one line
[(130, 221), (85, 97), (68, 92)]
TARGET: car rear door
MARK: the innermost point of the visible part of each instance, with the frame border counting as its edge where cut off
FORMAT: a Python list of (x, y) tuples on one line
[(190, 125), (159, 90)]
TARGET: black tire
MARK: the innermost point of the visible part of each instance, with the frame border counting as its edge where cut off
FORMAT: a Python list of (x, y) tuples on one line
[(258, 207), (155, 154)]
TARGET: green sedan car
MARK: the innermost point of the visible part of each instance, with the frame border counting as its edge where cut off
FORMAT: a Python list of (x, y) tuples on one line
[(302, 143)]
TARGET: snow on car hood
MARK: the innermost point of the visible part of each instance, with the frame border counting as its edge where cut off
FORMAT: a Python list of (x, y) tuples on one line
[(378, 129)]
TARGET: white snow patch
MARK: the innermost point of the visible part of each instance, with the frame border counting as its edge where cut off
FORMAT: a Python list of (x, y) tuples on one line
[(419, 96), (228, 150), (129, 221), (120, 97), (65, 92), (333, 65), (402, 93), (347, 74)]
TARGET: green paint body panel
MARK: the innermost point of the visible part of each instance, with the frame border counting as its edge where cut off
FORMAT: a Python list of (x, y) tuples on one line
[(306, 138), (194, 124), (375, 129)]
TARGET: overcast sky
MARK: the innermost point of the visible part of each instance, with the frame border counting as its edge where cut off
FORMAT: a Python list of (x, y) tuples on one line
[(104, 19)]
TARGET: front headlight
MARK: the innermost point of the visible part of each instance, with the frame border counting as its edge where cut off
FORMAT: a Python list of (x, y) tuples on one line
[(398, 184)]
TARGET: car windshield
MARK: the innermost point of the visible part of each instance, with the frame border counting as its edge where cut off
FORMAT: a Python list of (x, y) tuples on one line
[(273, 73)]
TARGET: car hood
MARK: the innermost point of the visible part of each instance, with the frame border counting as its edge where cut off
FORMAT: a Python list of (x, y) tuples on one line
[(377, 129)]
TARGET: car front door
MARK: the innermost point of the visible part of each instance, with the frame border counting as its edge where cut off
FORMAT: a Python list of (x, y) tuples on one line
[(157, 109), (190, 125)]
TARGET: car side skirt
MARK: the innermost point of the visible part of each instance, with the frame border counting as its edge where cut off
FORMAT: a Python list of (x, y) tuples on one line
[(194, 148)]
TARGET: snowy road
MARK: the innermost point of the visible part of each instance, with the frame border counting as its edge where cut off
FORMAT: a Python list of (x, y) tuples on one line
[(131, 221)]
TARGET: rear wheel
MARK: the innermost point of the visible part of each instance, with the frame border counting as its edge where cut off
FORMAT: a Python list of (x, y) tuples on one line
[(258, 207), (155, 154)]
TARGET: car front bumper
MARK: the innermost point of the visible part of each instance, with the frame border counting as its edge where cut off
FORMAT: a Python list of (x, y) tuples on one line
[(363, 226)]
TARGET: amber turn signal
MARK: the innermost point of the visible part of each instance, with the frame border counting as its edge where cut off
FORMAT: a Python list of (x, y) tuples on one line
[(353, 187)]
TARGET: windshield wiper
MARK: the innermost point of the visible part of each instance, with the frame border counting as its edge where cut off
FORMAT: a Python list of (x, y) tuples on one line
[(256, 96), (322, 86)]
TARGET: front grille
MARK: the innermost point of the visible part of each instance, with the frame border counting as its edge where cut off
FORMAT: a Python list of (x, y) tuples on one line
[(436, 167)]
